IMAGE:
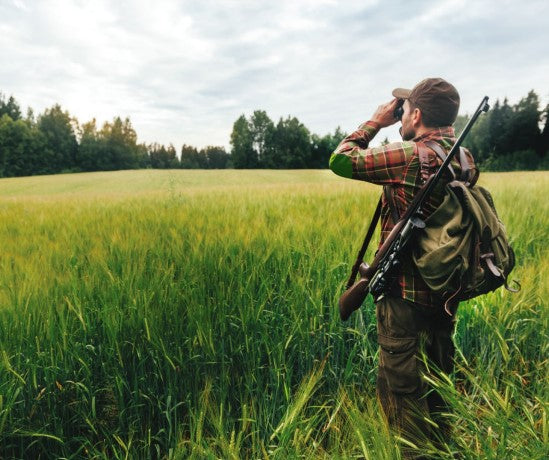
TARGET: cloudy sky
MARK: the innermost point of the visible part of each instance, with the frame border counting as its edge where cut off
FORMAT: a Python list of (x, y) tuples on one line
[(183, 71)]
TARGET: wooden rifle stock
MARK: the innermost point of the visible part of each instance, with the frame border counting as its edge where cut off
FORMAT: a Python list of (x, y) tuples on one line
[(355, 293)]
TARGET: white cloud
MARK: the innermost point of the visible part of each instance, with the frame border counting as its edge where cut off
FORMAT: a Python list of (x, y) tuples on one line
[(185, 70)]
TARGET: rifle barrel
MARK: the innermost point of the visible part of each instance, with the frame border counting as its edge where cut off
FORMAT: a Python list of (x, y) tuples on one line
[(483, 107)]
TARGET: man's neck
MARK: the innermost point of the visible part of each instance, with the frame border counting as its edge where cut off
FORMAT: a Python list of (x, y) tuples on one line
[(443, 131), (422, 130)]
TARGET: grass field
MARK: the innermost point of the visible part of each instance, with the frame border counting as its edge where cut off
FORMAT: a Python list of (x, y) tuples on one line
[(192, 314)]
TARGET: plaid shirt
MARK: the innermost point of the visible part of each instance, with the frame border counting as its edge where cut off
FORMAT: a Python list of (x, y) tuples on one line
[(397, 166)]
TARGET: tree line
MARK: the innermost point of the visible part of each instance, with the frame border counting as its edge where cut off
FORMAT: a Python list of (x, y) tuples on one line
[(510, 137), (258, 143), (55, 142), (506, 138)]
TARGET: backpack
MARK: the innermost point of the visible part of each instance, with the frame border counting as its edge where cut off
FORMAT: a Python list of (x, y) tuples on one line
[(463, 251)]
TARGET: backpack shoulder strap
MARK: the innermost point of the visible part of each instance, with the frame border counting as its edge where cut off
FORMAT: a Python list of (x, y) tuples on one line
[(441, 154), (465, 168), (467, 174), (469, 171), (425, 169)]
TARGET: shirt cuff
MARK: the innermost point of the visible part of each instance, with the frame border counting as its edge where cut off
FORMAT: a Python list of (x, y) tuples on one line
[(371, 127)]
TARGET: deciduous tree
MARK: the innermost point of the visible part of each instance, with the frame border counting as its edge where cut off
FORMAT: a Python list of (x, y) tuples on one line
[(243, 154), (61, 144)]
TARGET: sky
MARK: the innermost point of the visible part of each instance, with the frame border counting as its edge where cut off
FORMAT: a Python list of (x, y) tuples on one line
[(184, 71)]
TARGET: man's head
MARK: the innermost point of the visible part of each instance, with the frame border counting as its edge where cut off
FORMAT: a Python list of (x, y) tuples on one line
[(432, 103)]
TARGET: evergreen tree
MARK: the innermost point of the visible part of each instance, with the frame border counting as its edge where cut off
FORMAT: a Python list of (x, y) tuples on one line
[(162, 157), (502, 141), (10, 107), (191, 158), (524, 132), (217, 157)]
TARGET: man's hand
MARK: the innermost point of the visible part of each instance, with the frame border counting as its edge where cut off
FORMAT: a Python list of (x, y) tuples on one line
[(384, 115)]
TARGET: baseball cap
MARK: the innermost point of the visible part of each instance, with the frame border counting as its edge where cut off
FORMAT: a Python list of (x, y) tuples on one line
[(437, 99)]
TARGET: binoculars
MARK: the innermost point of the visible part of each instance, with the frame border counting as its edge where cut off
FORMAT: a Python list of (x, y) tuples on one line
[(399, 111)]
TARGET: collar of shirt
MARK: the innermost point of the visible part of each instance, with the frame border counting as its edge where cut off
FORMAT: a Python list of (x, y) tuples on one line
[(437, 133)]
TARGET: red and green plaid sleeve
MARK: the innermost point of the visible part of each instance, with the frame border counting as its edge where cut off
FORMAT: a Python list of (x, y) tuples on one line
[(380, 165)]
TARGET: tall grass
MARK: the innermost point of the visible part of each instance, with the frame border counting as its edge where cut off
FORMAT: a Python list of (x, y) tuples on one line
[(193, 315)]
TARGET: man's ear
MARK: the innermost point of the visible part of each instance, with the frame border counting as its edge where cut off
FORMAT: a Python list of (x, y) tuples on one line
[(417, 117)]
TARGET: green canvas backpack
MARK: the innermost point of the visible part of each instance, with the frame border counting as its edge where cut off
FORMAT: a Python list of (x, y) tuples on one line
[(463, 251)]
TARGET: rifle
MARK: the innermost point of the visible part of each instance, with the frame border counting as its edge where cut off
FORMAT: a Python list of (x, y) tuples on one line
[(376, 278)]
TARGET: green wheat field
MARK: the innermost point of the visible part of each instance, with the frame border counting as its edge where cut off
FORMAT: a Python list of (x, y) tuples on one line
[(193, 314)]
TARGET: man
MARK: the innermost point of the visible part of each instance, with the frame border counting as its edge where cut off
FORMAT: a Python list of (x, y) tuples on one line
[(411, 320)]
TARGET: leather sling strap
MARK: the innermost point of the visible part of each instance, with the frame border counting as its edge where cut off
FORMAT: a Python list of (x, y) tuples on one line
[(371, 228), (365, 244)]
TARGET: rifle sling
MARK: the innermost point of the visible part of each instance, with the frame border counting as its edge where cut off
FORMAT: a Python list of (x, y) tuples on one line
[(365, 244)]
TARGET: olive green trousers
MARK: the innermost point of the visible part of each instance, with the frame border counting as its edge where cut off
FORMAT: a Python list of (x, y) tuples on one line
[(409, 336)]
